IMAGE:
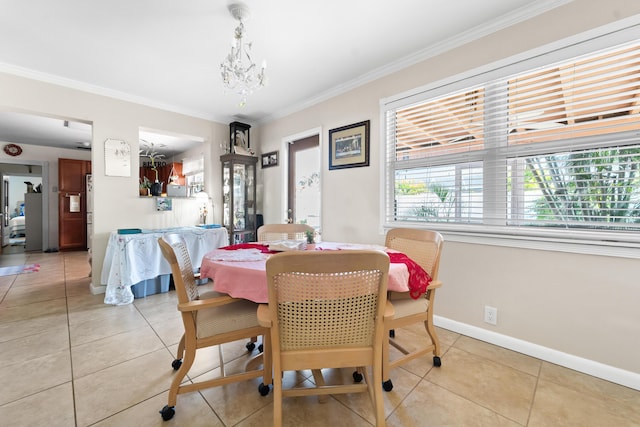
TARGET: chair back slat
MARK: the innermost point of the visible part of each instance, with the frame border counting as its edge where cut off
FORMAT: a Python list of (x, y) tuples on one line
[(273, 232), (422, 246), (327, 299), (174, 248)]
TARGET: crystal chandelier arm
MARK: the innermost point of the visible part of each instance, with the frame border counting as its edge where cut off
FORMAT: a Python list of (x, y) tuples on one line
[(236, 75)]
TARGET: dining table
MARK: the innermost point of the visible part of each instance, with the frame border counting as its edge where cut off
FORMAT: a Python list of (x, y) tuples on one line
[(133, 258), (240, 270)]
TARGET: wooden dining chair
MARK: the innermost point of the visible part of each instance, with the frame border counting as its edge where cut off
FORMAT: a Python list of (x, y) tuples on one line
[(209, 319), (424, 247), (271, 232), (326, 310)]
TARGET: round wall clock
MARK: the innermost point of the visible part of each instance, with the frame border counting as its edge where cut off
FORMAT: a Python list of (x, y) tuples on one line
[(12, 149)]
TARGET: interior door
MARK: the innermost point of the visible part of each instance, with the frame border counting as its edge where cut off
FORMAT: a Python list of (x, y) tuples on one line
[(303, 206), (72, 209)]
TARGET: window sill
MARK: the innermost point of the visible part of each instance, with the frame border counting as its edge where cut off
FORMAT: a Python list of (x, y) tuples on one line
[(558, 245), (583, 243)]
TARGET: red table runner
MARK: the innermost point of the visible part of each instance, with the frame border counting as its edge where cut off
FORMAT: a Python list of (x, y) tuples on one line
[(418, 278)]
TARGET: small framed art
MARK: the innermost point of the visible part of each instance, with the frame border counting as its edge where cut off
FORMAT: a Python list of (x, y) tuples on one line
[(163, 204), (349, 146), (270, 159)]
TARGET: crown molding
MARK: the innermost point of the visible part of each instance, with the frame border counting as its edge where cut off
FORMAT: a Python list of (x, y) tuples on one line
[(472, 34)]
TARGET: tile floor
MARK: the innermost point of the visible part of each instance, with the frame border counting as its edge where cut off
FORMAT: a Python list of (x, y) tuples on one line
[(70, 360)]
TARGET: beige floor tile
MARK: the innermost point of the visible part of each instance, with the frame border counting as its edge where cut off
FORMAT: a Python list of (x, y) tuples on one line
[(170, 330), (79, 286), (23, 328), (48, 276), (505, 390), (82, 305), (519, 361), (625, 399), (165, 309), (5, 284), (103, 323), (28, 294), (100, 354), (51, 408), (192, 412), (12, 259), (104, 393), (403, 383), (308, 412), (447, 338), (207, 359), (236, 401), (160, 301), (34, 346), (32, 310), (557, 405), (431, 405), (414, 337), (23, 379)]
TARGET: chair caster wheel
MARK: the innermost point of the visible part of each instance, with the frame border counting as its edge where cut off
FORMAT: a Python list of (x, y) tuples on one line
[(387, 385), (436, 361), (263, 389), (167, 412), (176, 364), (250, 346), (260, 348), (392, 333), (357, 376)]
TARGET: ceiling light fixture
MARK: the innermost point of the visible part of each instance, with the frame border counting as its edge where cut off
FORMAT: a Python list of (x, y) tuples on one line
[(239, 73)]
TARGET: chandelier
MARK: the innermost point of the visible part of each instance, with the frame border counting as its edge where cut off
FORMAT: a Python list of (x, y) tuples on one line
[(239, 73)]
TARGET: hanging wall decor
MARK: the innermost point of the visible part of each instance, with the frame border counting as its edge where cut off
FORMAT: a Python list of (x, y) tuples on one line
[(163, 204), (349, 146), (117, 158)]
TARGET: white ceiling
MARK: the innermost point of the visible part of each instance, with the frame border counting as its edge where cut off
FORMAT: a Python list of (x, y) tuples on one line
[(167, 53)]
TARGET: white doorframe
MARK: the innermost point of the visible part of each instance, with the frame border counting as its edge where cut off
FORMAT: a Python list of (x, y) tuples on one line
[(285, 165)]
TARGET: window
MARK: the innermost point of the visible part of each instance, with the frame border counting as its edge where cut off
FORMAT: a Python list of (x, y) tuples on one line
[(553, 150), (193, 170)]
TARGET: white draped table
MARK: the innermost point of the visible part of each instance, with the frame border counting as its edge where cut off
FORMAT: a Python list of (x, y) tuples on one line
[(133, 258)]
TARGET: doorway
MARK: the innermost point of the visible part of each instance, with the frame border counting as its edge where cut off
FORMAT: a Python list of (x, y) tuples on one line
[(24, 206), (303, 182)]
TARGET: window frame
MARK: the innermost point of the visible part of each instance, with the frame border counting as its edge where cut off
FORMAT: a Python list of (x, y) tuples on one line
[(600, 242)]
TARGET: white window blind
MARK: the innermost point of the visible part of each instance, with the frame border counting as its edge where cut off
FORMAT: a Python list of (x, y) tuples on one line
[(193, 165), (193, 170), (555, 147)]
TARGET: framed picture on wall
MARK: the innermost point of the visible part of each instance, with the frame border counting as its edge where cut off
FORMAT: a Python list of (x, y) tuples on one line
[(269, 159), (349, 146), (117, 158)]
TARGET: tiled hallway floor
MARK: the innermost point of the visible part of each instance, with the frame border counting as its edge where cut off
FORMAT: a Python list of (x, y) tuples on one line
[(70, 360)]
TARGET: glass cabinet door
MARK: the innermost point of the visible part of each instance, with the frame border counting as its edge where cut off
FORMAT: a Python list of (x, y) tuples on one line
[(239, 196)]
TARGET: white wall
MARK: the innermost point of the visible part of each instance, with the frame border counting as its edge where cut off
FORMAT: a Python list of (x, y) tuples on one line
[(116, 202), (575, 306)]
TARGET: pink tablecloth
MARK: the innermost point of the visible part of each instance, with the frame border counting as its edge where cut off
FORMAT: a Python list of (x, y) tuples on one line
[(248, 280)]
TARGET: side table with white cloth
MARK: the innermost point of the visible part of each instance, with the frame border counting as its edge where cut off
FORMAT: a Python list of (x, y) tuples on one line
[(131, 259)]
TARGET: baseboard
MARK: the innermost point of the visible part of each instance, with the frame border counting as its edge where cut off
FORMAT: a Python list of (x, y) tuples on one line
[(95, 290), (586, 366)]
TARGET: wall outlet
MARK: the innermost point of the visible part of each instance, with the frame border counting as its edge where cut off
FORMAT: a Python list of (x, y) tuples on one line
[(491, 315)]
